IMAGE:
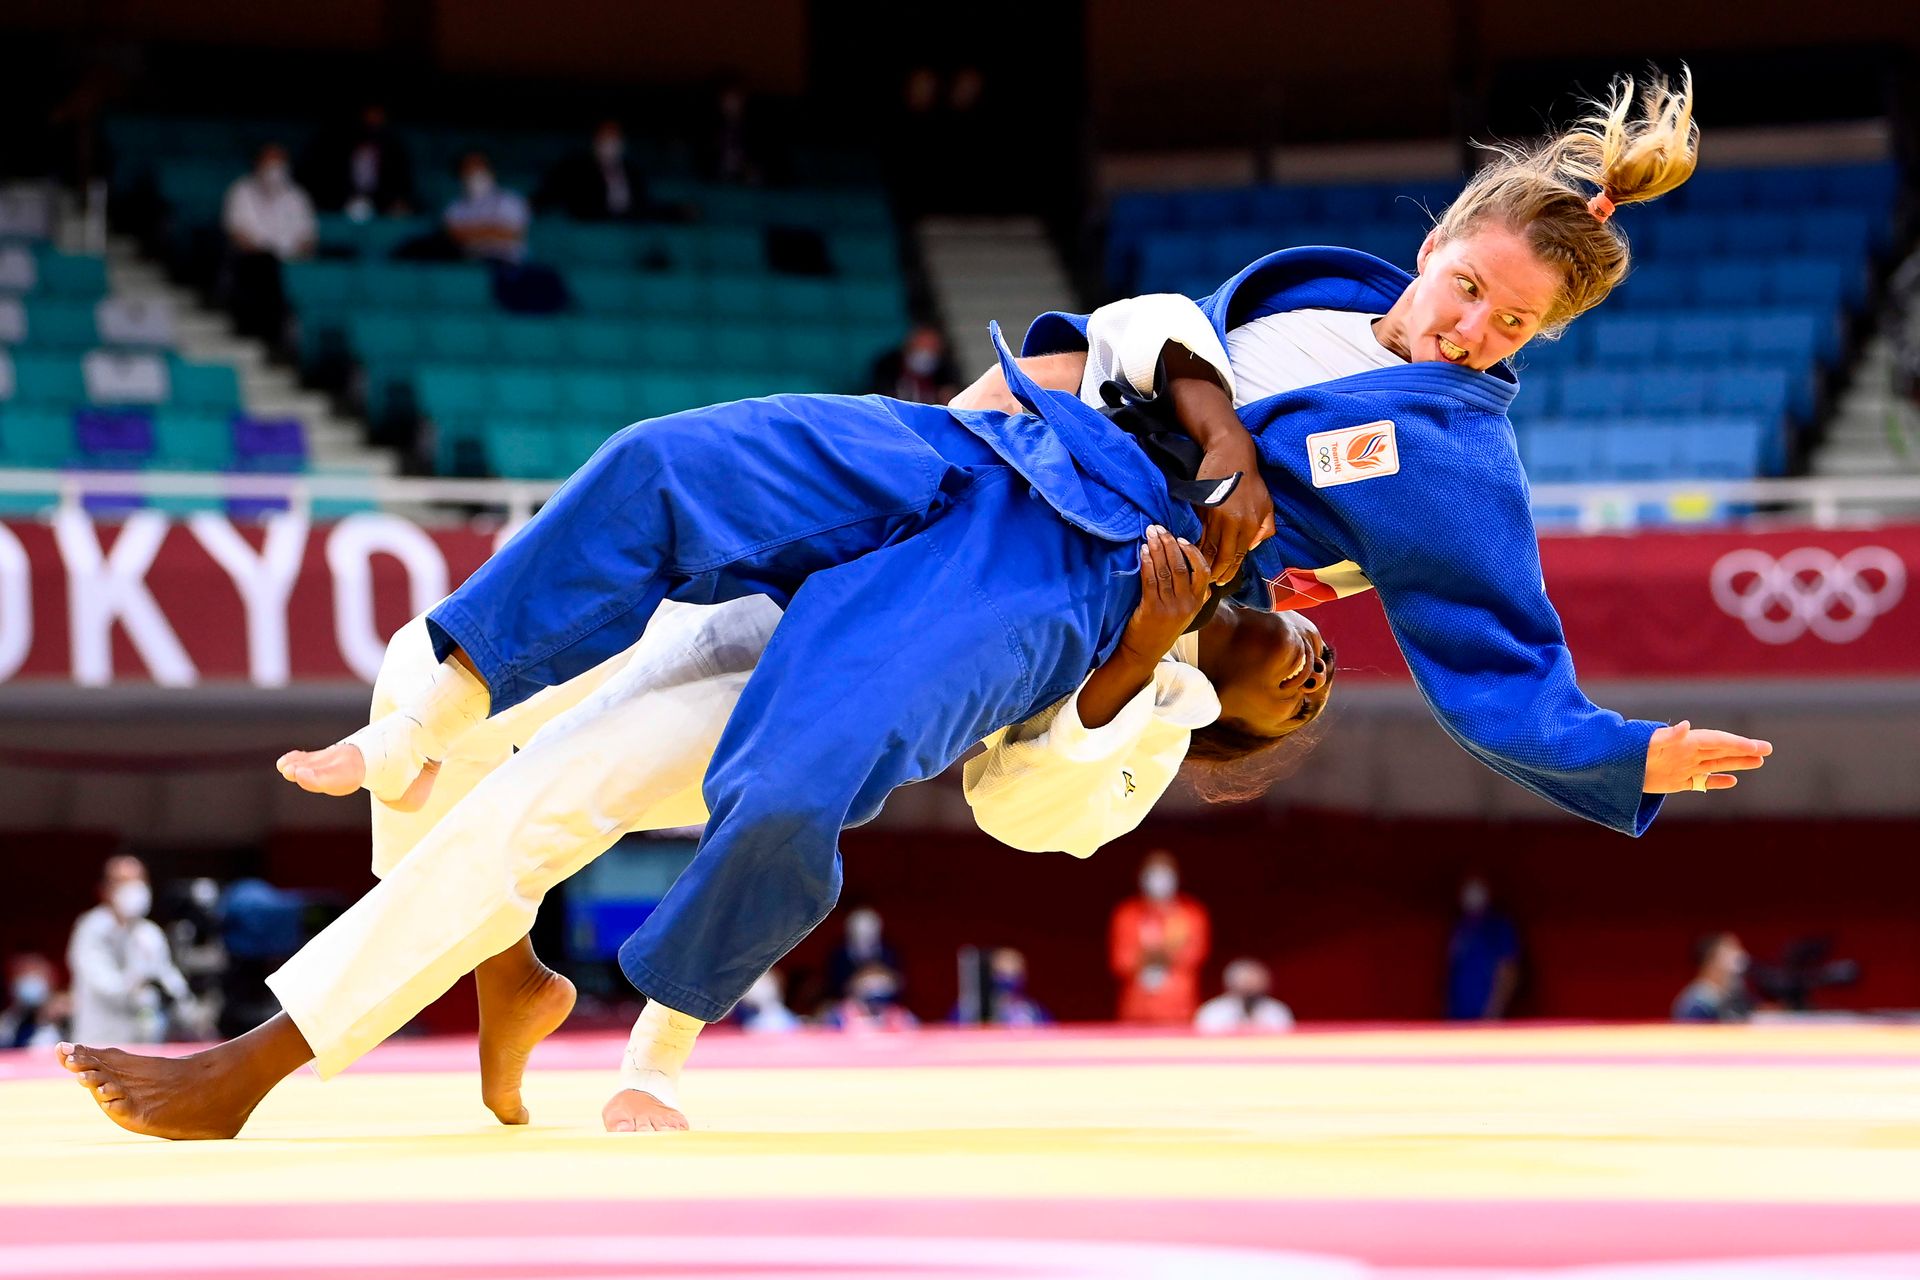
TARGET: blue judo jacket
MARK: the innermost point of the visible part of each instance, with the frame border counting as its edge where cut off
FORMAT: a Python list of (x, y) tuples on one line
[(1446, 537)]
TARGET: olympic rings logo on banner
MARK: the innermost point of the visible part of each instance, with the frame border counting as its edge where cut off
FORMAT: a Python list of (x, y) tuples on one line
[(1811, 589)]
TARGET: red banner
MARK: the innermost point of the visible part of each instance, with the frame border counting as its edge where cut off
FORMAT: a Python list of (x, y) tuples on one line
[(179, 603)]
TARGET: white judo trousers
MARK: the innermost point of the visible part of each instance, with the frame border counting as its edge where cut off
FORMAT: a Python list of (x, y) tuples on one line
[(620, 749)]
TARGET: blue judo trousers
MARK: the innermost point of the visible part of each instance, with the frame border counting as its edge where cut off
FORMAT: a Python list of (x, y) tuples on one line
[(931, 597)]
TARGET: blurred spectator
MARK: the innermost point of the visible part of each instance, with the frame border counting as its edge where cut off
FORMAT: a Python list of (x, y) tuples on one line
[(1483, 958), (268, 220), (763, 1009), (861, 946), (487, 221), (600, 183), (120, 963), (1245, 1005), (361, 168), (1008, 1004), (36, 1014), (872, 1003), (735, 152), (1718, 992), (1157, 944), (921, 370)]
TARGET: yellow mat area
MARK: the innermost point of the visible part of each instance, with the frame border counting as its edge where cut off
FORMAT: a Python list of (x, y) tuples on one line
[(1787, 1114)]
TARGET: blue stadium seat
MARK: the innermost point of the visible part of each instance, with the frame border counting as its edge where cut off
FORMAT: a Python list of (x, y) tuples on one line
[(1792, 336), (1823, 282), (1627, 337), (1654, 285), (1763, 392), (1835, 233), (1593, 393), (1169, 257), (1631, 450), (1206, 210), (1539, 395), (1141, 211), (1719, 448), (1564, 455), (1274, 208), (1732, 283), (1672, 392), (1717, 190), (1697, 338), (1759, 234), (1686, 236), (1354, 203), (1862, 186), (1231, 250)]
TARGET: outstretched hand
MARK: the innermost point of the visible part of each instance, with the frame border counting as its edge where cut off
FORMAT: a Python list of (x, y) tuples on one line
[(1680, 753)]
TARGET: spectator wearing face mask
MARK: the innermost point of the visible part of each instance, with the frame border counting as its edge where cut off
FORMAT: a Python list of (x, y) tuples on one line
[(872, 1003), (361, 168), (861, 945), (1245, 1005), (920, 371), (1157, 943), (35, 1012), (1007, 1001), (488, 222), (268, 220), (1483, 958), (120, 963), (763, 1010), (1718, 992), (598, 184)]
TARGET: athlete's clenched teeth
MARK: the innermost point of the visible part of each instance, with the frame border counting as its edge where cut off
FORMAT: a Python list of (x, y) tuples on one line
[(1451, 353)]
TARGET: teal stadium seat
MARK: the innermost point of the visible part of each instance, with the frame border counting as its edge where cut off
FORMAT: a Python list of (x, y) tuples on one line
[(73, 275), (387, 339), (452, 393), (533, 340), (657, 393), (604, 293), (50, 380), (465, 338), (189, 440), (593, 396), (744, 297), (61, 325), (35, 436), (613, 342), (675, 295), (521, 450), (526, 393), (675, 344), (461, 286), (210, 387)]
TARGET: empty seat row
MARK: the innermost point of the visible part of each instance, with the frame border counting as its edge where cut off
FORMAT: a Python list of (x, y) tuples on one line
[(1795, 336), (1718, 448), (1828, 232), (24, 269), (388, 284), (111, 377), (51, 323), (1766, 392), (165, 439), (466, 395), (740, 296)]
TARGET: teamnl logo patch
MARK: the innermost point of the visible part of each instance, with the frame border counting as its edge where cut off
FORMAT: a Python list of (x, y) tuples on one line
[(1352, 453)]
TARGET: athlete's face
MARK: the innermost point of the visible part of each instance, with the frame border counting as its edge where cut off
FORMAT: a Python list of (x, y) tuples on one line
[(1478, 298), (1276, 674)]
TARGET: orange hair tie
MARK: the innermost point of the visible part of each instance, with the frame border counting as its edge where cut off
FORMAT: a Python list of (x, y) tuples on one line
[(1600, 207)]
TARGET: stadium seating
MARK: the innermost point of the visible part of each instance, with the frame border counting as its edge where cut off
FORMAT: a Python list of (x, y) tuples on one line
[(1703, 363)]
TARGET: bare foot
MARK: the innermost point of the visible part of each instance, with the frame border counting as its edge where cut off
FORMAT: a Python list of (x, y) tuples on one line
[(340, 770), (180, 1098), (631, 1111), (522, 1002)]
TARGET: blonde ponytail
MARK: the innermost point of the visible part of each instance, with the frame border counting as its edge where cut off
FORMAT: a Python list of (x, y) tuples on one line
[(1560, 193)]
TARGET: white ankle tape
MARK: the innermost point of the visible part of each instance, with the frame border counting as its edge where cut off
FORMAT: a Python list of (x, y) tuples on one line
[(661, 1041), (397, 746)]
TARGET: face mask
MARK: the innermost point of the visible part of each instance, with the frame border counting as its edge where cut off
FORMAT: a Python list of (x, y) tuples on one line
[(132, 900), (274, 175), (922, 362), (1473, 899), (479, 185), (1009, 984), (876, 995), (31, 990), (609, 150), (1159, 883)]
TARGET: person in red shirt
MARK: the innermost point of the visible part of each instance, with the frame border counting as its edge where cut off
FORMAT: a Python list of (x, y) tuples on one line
[(1158, 942)]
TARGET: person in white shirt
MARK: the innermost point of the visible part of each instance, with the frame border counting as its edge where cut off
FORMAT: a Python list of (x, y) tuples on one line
[(267, 212), (625, 747), (1245, 1005), (488, 221), (120, 962), (268, 220)]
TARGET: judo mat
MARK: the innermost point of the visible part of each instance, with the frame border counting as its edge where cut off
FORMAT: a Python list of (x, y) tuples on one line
[(1592, 1152)]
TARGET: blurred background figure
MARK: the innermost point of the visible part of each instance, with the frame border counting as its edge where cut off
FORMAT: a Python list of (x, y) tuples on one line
[(860, 945), (1483, 958), (599, 183), (1718, 992), (1008, 1004), (486, 220), (36, 1014), (872, 1003), (361, 167), (763, 1009), (1245, 1005), (122, 969), (735, 150), (1156, 944), (920, 370), (268, 220)]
